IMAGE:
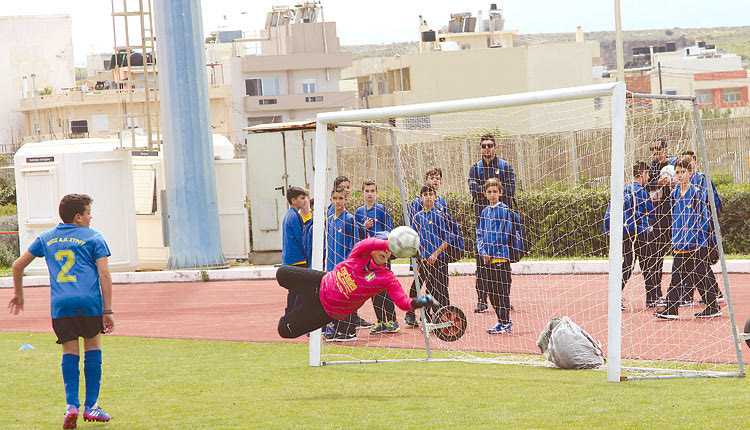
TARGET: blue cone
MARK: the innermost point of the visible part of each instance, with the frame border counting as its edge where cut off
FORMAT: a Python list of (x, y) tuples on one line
[(26, 347)]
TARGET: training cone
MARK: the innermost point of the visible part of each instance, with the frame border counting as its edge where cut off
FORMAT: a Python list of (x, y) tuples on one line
[(26, 347)]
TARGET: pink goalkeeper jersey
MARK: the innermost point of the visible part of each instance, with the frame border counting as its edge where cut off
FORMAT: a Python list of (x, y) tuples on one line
[(356, 279)]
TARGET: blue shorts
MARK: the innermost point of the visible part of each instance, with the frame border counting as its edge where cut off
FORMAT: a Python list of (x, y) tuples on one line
[(71, 328)]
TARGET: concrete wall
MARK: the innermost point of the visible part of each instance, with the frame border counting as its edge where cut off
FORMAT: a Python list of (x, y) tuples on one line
[(40, 44)]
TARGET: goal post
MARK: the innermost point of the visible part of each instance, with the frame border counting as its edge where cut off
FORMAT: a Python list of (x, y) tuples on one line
[(445, 134)]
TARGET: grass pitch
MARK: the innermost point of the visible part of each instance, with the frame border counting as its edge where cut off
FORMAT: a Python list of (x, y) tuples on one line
[(192, 384)]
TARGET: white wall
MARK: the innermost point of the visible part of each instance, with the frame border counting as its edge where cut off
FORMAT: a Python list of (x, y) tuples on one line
[(40, 44)]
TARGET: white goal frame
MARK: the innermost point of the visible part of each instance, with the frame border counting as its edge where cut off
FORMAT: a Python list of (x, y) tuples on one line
[(616, 91)]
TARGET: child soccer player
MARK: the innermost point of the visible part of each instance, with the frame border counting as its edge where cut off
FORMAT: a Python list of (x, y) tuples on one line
[(338, 293), (493, 235), (690, 227), (434, 177), (292, 235), (434, 236), (373, 218), (80, 299)]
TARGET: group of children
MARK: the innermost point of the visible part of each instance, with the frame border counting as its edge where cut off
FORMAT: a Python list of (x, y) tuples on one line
[(430, 217), (690, 228)]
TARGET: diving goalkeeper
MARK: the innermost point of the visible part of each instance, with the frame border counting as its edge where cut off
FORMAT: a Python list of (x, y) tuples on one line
[(336, 294)]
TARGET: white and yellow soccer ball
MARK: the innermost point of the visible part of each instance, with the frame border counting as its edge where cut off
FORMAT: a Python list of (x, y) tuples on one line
[(403, 242)]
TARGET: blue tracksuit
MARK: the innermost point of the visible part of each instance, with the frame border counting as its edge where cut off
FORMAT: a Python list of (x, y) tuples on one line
[(494, 231), (416, 206), (478, 175), (638, 211), (341, 235), (292, 247), (432, 229), (379, 214), (699, 179), (689, 219)]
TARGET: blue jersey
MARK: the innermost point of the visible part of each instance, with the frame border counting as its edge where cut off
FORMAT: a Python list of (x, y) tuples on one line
[(494, 231), (341, 235), (71, 252), (481, 172), (699, 179), (638, 210), (433, 231), (380, 216), (689, 219), (417, 206), (292, 246)]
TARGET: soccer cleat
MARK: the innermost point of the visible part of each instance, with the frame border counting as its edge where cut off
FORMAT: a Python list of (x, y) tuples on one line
[(410, 320), (667, 314), (709, 312), (95, 414), (501, 328), (361, 323), (71, 417), (379, 328), (481, 307), (392, 327), (660, 302), (342, 337)]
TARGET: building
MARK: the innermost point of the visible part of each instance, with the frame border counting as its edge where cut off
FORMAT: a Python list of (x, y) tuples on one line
[(289, 71), (37, 54)]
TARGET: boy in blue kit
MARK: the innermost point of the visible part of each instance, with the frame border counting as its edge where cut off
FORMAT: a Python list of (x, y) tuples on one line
[(434, 177), (638, 240), (372, 218), (292, 236), (341, 235), (493, 235), (434, 235), (80, 299), (690, 227)]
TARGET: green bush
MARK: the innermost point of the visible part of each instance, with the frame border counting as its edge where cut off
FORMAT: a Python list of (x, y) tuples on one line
[(735, 218)]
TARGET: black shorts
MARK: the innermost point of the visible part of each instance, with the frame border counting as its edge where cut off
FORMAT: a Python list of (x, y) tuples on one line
[(71, 328)]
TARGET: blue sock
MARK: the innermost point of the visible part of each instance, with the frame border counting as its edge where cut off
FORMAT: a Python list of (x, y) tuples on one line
[(92, 371), (71, 374)]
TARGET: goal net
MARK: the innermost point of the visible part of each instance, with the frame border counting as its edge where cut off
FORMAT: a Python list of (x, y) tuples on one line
[(571, 152)]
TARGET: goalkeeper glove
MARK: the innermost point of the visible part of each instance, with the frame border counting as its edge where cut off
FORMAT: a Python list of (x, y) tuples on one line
[(426, 300)]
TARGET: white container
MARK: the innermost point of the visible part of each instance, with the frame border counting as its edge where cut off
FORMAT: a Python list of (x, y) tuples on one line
[(47, 171)]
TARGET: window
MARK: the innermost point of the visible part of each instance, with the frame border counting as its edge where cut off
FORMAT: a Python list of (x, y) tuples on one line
[(731, 95), (704, 97), (365, 88), (309, 86), (314, 99), (267, 101), (99, 123), (670, 92), (262, 87), (381, 88)]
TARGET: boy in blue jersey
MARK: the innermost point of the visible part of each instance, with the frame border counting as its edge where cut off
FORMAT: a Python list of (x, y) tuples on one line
[(690, 227), (638, 241), (493, 235), (80, 299), (434, 237), (292, 236), (372, 218), (434, 177), (341, 235)]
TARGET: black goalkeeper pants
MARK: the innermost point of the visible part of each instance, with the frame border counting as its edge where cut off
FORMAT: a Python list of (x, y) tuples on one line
[(308, 313)]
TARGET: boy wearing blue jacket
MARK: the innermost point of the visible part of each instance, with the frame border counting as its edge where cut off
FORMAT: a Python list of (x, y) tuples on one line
[(373, 218), (493, 235), (690, 228), (434, 236), (292, 236)]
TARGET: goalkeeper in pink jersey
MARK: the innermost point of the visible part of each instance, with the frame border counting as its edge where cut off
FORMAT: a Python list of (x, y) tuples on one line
[(336, 294)]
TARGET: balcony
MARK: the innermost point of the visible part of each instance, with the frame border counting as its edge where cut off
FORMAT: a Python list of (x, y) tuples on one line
[(328, 100), (270, 63)]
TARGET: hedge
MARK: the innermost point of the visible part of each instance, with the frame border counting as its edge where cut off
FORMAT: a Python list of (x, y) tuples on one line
[(567, 223)]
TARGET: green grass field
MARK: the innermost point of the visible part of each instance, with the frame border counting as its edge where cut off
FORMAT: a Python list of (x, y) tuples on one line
[(187, 384)]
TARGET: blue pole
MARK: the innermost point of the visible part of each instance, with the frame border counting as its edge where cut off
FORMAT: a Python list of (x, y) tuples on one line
[(193, 215)]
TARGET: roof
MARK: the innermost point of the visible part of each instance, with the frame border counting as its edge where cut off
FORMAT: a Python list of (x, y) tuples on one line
[(281, 126)]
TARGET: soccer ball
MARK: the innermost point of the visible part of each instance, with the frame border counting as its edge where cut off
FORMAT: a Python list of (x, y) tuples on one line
[(403, 242), (667, 172)]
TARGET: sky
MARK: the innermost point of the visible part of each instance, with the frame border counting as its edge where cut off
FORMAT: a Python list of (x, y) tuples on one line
[(387, 21)]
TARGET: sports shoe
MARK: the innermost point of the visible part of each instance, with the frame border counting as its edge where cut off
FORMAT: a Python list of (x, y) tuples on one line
[(392, 327), (71, 417), (720, 297), (709, 312), (95, 414), (685, 302), (380, 327), (361, 323), (481, 307), (328, 331), (342, 337), (410, 320), (501, 328), (666, 314), (658, 303), (622, 305)]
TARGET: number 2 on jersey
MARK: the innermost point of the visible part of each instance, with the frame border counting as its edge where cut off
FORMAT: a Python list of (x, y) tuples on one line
[(70, 259)]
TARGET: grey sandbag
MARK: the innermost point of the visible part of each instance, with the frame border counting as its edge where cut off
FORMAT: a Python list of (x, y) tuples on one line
[(567, 345)]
